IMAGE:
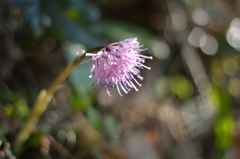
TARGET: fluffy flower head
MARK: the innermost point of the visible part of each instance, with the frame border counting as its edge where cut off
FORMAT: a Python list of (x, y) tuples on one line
[(117, 65)]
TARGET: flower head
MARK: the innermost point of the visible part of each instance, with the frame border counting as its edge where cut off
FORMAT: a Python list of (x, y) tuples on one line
[(117, 65)]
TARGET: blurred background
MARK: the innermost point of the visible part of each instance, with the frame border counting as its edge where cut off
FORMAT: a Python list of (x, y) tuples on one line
[(187, 108)]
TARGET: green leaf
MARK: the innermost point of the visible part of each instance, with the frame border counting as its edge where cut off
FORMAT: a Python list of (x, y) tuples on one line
[(181, 87), (111, 127), (94, 118), (219, 99), (76, 102), (223, 130), (118, 30), (81, 85), (95, 151), (72, 13)]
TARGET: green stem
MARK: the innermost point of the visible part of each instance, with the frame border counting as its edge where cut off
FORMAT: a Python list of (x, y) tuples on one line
[(40, 105)]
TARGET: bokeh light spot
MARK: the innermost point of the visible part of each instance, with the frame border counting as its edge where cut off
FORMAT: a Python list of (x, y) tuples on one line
[(216, 67), (181, 87), (74, 49), (71, 137), (61, 134), (229, 66), (160, 49), (195, 36), (233, 34), (179, 20), (208, 44), (200, 17), (233, 87)]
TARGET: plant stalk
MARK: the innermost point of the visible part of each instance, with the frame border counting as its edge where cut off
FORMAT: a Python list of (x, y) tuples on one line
[(41, 103)]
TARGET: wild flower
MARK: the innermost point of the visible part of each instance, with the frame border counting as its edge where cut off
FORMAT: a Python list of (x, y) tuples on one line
[(117, 65)]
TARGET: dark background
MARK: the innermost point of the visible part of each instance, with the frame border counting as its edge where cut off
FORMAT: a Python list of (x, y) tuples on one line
[(187, 108)]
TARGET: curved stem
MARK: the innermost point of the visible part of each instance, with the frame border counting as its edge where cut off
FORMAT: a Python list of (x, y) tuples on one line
[(41, 102)]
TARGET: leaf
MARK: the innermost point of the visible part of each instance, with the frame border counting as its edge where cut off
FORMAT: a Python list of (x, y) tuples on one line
[(219, 99), (81, 85), (111, 126), (181, 87), (73, 13), (118, 30), (223, 131), (94, 118)]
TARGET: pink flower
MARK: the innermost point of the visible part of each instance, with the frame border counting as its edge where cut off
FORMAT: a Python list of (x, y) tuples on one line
[(117, 65)]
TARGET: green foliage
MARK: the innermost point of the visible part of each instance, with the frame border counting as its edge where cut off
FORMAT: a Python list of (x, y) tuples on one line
[(76, 26), (118, 30), (79, 78), (181, 87), (94, 118), (73, 13), (223, 130), (224, 123), (17, 110), (95, 151), (63, 19), (75, 102), (219, 98), (106, 123), (12, 104), (111, 127), (34, 139)]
